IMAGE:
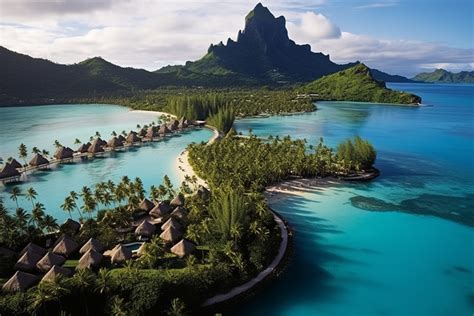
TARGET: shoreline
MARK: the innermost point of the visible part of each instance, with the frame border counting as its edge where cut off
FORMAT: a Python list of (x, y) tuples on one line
[(159, 113)]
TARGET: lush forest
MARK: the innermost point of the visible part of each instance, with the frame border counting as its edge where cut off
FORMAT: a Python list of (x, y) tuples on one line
[(444, 76), (357, 84)]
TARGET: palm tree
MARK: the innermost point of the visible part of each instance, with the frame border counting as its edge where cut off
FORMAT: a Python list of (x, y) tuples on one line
[(138, 126), (57, 144), (118, 307), (84, 280), (37, 215), (74, 197), (124, 133), (177, 308), (35, 150), (31, 195), (16, 192), (50, 223), (103, 281), (23, 152), (22, 218), (77, 141), (97, 134), (68, 205), (113, 133)]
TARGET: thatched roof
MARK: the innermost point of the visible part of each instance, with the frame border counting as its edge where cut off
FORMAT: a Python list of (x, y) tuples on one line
[(179, 213), (177, 201), (183, 248), (114, 142), (171, 235), (95, 147), (20, 281), (49, 260), (8, 171), (101, 141), (164, 130), (188, 122), (203, 193), (93, 244), (146, 205), (121, 254), (132, 138), (150, 133), (142, 132), (110, 252), (145, 229), (71, 225), (160, 210), (121, 138), (28, 261), (83, 148), (172, 127), (15, 164), (172, 222), (56, 271), (65, 247), (63, 153), (90, 259), (141, 250), (33, 248), (174, 123), (38, 160)]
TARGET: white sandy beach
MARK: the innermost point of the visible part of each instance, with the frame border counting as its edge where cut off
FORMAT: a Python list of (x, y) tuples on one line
[(158, 113)]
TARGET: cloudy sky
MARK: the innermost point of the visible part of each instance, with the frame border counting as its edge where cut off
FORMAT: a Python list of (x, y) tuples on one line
[(397, 36)]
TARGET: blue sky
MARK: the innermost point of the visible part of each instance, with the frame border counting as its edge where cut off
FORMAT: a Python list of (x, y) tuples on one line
[(397, 36)]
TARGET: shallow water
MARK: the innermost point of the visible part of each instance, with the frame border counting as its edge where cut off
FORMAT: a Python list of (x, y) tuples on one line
[(150, 162), (352, 261)]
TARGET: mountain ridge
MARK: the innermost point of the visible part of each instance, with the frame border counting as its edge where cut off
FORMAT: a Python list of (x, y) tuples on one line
[(443, 76)]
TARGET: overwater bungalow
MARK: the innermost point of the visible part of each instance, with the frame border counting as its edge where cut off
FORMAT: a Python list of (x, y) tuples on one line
[(63, 153), (95, 147), (183, 248), (38, 161), (8, 171), (55, 272), (20, 281), (146, 205), (34, 248), (101, 142), (83, 148), (15, 164), (179, 213), (145, 229), (164, 130), (91, 244), (132, 138), (65, 247), (160, 210), (114, 142), (150, 133), (173, 127), (28, 261), (48, 261), (171, 222), (121, 138), (71, 225), (90, 260), (171, 235), (177, 201), (120, 255), (142, 132)]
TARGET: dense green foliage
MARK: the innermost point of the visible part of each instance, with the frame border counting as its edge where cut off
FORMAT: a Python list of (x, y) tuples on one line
[(222, 120), (444, 76), (358, 154), (196, 107), (254, 163), (357, 84)]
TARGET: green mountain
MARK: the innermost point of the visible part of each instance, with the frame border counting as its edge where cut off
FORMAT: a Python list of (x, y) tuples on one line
[(385, 77), (444, 76), (357, 84)]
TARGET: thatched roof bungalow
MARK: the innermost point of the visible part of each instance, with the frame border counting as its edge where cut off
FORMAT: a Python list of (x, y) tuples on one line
[(183, 248), (121, 138), (63, 153), (95, 147), (171, 222), (171, 235), (91, 244), (48, 261), (71, 225), (177, 201), (83, 148), (132, 138), (28, 261), (101, 141), (160, 210), (120, 255), (150, 133), (141, 251), (203, 193), (38, 160), (65, 247), (8, 171), (146, 205), (15, 164), (179, 213), (20, 281), (34, 248), (145, 229), (142, 132), (55, 272), (164, 130), (114, 142), (89, 260), (110, 252)]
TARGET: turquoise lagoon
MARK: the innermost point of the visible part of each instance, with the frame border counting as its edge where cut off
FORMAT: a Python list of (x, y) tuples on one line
[(352, 261), (40, 126)]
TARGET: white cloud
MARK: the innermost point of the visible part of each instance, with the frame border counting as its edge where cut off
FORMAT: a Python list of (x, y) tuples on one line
[(382, 4), (315, 26), (153, 33)]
